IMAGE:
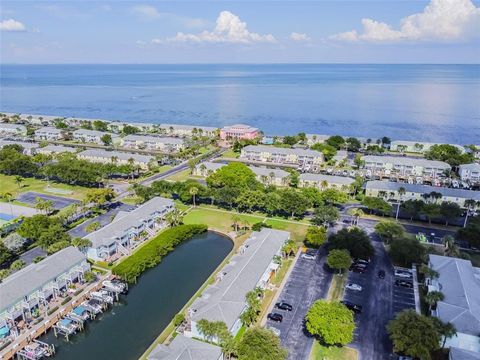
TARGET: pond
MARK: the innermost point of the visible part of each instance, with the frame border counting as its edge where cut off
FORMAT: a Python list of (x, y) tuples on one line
[(125, 331)]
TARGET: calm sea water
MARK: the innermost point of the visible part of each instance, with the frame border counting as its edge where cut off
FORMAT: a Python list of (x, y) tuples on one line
[(417, 102)]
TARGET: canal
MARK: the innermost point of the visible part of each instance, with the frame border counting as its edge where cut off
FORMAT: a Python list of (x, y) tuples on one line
[(125, 331)]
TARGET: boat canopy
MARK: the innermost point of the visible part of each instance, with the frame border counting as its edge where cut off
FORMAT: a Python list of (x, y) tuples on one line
[(79, 310)]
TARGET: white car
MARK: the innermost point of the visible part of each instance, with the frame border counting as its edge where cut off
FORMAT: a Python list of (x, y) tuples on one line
[(353, 287), (274, 330), (308, 256), (403, 274)]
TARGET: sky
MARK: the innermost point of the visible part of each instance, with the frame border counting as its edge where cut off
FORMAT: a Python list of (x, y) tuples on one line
[(382, 31)]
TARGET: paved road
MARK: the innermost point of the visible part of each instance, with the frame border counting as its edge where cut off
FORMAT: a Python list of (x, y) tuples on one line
[(31, 254), (307, 282)]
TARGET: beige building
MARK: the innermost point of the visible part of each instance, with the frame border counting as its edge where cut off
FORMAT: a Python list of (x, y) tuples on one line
[(321, 181), (306, 159), (7, 129), (404, 166), (117, 157), (165, 144)]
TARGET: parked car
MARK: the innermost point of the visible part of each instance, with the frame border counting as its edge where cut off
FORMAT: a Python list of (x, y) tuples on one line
[(403, 274), (361, 261), (308, 256), (381, 274), (274, 330), (357, 309), (404, 283), (353, 287), (276, 317), (358, 269), (284, 306)]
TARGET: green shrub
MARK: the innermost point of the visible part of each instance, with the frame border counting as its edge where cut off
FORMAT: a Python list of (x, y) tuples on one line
[(52, 310), (152, 253), (178, 319), (66, 300)]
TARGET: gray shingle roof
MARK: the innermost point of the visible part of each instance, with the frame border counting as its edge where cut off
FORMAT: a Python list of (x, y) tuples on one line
[(423, 189), (107, 235), (331, 179), (24, 144), (185, 348), (225, 300), (471, 167), (155, 139), (461, 354), (460, 284), (406, 161), (57, 149), (86, 132), (22, 283), (282, 151), (119, 154), (264, 171)]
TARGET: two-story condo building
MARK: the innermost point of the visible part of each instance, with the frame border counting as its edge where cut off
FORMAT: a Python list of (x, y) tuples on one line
[(93, 136), (469, 172), (165, 144), (253, 265), (49, 133), (188, 130), (7, 129), (36, 284), (405, 166), (459, 282), (29, 148), (306, 159), (129, 228), (55, 149), (239, 132), (116, 157), (390, 190), (322, 182)]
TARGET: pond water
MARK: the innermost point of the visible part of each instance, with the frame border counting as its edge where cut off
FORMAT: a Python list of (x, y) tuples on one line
[(125, 331)]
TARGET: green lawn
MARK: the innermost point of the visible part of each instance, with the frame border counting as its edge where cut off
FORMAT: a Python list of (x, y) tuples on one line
[(40, 186), (180, 176), (230, 154), (297, 230), (320, 352), (217, 219), (337, 287)]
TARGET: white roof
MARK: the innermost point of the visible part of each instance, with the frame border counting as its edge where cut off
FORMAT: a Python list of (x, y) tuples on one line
[(407, 161), (155, 139), (460, 284), (86, 132), (185, 348), (331, 179), (32, 277), (225, 299), (17, 127), (471, 167), (57, 149), (119, 154), (281, 151), (48, 130), (462, 354)]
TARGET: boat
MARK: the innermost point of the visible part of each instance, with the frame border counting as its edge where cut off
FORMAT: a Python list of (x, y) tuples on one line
[(95, 306), (81, 312), (103, 295), (37, 350), (115, 285)]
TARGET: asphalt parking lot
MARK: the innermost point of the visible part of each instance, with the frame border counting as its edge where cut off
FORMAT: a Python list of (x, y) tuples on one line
[(307, 282), (403, 298), (59, 202)]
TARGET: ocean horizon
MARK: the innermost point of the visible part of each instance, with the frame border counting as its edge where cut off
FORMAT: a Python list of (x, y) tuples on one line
[(422, 102)]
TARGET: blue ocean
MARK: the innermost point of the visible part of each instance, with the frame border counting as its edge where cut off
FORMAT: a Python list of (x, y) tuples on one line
[(408, 102)]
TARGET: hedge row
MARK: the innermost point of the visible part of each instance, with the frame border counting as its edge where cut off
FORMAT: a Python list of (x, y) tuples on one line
[(152, 253)]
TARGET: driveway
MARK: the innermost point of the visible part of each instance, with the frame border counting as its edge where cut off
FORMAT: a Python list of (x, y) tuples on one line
[(30, 255), (307, 282)]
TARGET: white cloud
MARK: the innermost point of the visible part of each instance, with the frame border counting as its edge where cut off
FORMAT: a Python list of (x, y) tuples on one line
[(295, 36), (440, 20), (12, 25), (147, 11), (228, 29)]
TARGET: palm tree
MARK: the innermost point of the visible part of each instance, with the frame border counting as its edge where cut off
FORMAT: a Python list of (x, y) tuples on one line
[(428, 272), (451, 249), (236, 222), (447, 330), (18, 180), (401, 192), (174, 217), (8, 198), (355, 213), (470, 205), (323, 184), (433, 297), (193, 191)]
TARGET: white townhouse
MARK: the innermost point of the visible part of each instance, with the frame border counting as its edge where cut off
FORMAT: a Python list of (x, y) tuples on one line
[(36, 284), (404, 165), (322, 182), (307, 159), (390, 190), (188, 130), (459, 282), (55, 149), (116, 157), (93, 136), (29, 148), (49, 133), (165, 144), (416, 146), (469, 172), (252, 266), (7, 129), (129, 228), (267, 176), (185, 348)]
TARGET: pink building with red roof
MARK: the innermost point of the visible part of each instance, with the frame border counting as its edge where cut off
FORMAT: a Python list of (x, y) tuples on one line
[(239, 131)]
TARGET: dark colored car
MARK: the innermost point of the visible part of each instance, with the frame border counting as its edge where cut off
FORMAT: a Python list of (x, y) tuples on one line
[(357, 309), (404, 284), (275, 317), (381, 274), (358, 269), (284, 306)]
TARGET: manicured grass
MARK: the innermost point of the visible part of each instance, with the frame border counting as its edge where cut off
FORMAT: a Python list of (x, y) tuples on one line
[(180, 176), (40, 186), (219, 220), (320, 352), (297, 230), (131, 200), (230, 154), (337, 287), (474, 258)]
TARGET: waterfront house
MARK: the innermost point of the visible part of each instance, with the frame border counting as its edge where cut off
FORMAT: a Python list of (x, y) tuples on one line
[(185, 348), (459, 282), (306, 159), (416, 146), (252, 266), (49, 133), (29, 148), (36, 284), (390, 190), (322, 182), (116, 157), (239, 132), (165, 144), (93, 136), (129, 228), (55, 149), (404, 166), (7, 130), (469, 172), (188, 130)]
